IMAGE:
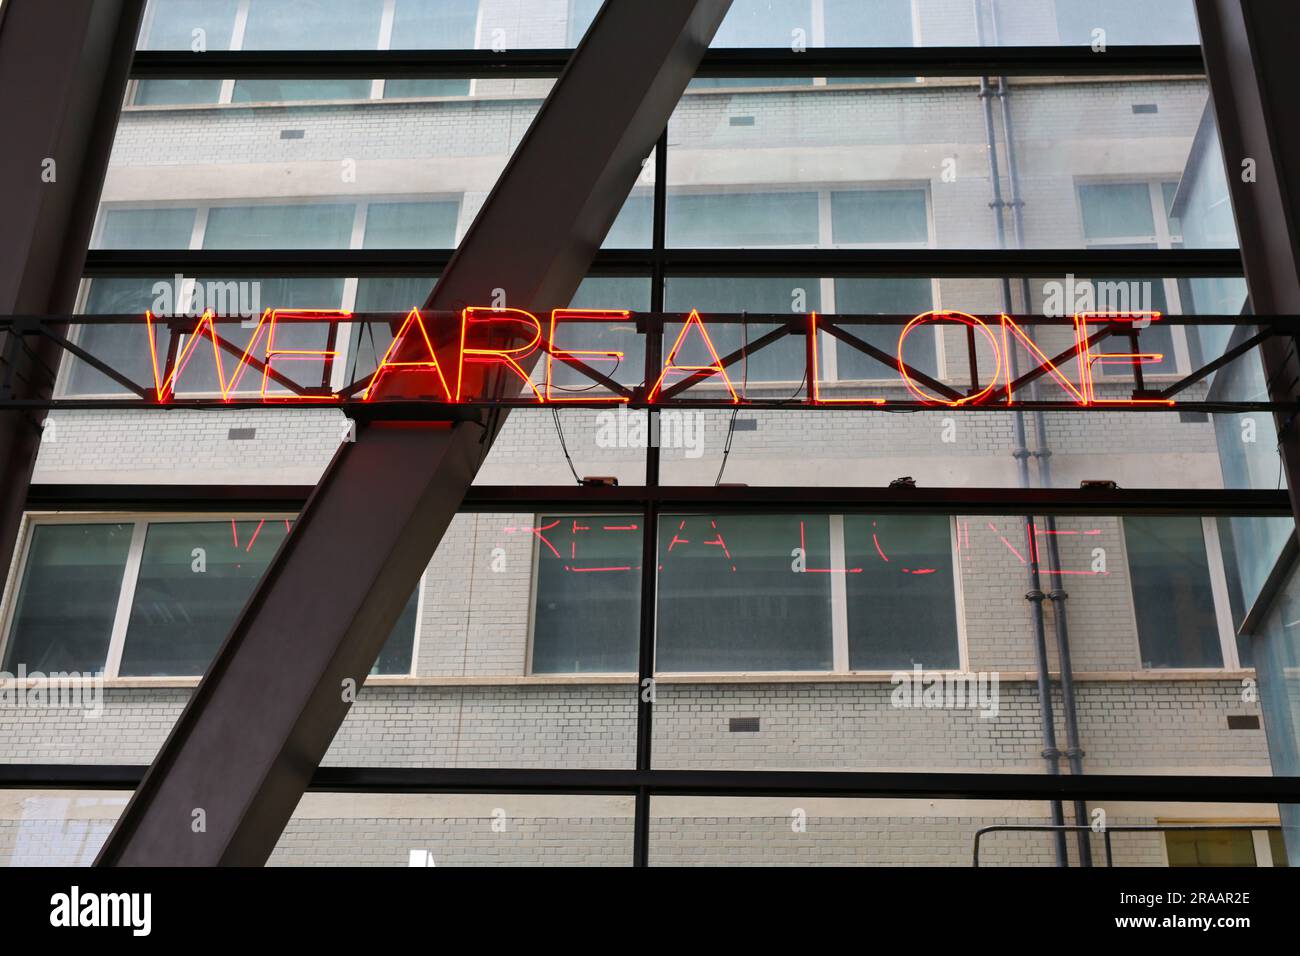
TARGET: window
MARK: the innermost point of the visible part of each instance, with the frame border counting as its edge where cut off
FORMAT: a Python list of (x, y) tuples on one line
[(730, 598), (879, 23), (397, 225), (1124, 22), (1210, 847), (773, 24), (432, 25), (197, 25), (781, 361), (880, 218), (309, 25), (155, 597), (902, 608), (313, 24), (1173, 596), (588, 594), (273, 226), (51, 632), (884, 217), (123, 347), (749, 593), (1135, 216)]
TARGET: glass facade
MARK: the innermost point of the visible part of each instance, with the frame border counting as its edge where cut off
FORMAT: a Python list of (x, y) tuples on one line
[(681, 627)]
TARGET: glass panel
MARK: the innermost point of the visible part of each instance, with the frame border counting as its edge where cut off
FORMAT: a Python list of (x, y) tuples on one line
[(869, 153), (742, 221), (288, 90), (187, 24), (1120, 22), (927, 669), (875, 23), (779, 361), (450, 830), (176, 92), (434, 24), (879, 216), (780, 24), (150, 228), (124, 348), (313, 24), (1172, 596), (1211, 848), (315, 226), (50, 632), (399, 89), (801, 831), (588, 594), (194, 579), (883, 296), (200, 373), (57, 827), (733, 597), (1116, 211), (634, 227), (411, 225), (901, 606)]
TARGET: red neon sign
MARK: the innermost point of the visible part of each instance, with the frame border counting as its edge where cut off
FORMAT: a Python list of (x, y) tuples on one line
[(489, 349)]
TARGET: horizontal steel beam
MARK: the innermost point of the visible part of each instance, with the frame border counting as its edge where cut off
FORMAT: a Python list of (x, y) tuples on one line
[(729, 498), (650, 322), (926, 263), (752, 62), (724, 783), (468, 411)]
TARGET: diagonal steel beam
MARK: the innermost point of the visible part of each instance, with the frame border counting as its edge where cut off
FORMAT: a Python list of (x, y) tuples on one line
[(63, 72), (243, 751)]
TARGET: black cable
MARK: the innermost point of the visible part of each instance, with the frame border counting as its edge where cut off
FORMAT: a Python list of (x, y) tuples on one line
[(559, 431)]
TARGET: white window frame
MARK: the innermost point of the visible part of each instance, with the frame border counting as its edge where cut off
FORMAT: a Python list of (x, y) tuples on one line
[(1163, 238), (839, 612), (130, 577)]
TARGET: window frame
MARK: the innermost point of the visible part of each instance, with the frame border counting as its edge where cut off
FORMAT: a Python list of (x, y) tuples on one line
[(1163, 238), (141, 522), (1227, 634)]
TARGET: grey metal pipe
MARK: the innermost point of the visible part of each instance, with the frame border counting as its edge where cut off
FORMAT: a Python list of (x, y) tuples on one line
[(1074, 751), (1051, 754)]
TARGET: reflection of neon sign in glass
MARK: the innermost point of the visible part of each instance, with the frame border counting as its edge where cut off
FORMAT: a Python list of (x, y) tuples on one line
[(582, 545), (473, 360)]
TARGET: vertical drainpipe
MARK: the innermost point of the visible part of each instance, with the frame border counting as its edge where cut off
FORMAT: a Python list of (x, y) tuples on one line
[(1051, 755), (1073, 752)]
